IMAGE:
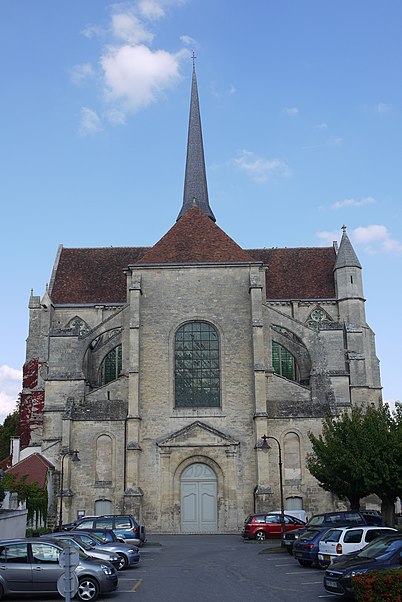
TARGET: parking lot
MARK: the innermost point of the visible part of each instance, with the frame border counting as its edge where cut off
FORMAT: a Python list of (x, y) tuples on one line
[(214, 568), (200, 568)]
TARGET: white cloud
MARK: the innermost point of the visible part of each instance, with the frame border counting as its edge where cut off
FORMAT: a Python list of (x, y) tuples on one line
[(134, 76), (260, 169), (10, 387), (382, 107), (81, 73), (93, 31), (128, 28), (369, 200), (188, 41), (90, 122), (291, 111), (155, 9), (374, 238)]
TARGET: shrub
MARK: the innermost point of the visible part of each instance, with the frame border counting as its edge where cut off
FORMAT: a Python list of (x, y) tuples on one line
[(379, 586)]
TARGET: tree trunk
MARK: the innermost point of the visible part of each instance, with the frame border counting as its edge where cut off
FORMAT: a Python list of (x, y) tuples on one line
[(354, 504), (388, 511)]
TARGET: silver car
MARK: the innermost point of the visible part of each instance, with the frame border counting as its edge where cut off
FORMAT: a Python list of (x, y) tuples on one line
[(31, 566), (83, 547), (129, 555)]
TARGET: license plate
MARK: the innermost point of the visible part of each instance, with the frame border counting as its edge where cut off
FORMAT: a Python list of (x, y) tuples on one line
[(298, 554), (330, 583)]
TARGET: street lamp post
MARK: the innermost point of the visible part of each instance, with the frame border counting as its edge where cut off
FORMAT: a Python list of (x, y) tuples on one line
[(265, 445), (74, 458)]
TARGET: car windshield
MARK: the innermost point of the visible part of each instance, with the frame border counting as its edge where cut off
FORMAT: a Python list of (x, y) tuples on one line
[(380, 548), (77, 544), (316, 520)]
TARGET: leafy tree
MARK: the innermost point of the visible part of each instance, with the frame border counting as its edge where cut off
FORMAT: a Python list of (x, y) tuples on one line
[(336, 460), (35, 498), (358, 454), (7, 430)]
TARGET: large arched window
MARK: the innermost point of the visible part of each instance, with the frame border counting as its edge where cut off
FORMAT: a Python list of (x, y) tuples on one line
[(111, 365), (283, 362), (197, 374)]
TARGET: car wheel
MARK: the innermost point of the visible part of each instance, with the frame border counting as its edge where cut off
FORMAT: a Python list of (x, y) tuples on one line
[(305, 562), (123, 562), (88, 589), (260, 536)]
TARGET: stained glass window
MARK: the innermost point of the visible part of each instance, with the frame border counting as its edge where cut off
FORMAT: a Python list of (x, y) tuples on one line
[(283, 362), (111, 366), (197, 370)]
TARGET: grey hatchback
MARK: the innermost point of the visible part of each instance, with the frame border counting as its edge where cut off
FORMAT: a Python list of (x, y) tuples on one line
[(31, 566), (129, 555)]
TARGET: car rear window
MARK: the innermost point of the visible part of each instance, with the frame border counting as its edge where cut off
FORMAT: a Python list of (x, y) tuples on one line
[(123, 523), (332, 535)]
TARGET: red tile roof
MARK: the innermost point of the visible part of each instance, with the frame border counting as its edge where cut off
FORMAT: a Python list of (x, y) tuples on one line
[(35, 467), (93, 275), (300, 273), (96, 275), (195, 238)]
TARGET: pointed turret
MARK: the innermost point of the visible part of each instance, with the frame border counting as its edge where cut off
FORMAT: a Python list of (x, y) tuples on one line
[(348, 283), (346, 257), (195, 182)]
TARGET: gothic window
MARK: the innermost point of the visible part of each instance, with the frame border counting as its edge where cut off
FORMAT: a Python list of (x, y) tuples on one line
[(317, 316), (292, 465), (111, 366), (283, 362), (78, 325), (197, 370), (103, 468)]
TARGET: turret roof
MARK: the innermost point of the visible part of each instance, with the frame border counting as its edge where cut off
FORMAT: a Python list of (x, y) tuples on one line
[(346, 257)]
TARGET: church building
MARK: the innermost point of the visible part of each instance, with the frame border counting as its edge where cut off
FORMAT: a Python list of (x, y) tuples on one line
[(165, 366)]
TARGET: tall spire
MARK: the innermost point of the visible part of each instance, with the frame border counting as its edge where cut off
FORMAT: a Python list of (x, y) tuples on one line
[(195, 181)]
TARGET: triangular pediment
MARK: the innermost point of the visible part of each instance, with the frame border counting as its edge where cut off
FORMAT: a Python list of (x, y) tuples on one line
[(198, 434)]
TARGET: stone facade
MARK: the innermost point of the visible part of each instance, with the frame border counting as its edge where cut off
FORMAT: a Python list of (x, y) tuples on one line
[(141, 451)]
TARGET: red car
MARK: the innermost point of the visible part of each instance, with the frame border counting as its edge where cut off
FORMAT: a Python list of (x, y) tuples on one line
[(262, 526)]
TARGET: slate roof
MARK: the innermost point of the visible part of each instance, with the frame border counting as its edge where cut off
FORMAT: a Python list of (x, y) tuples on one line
[(35, 467), (95, 275)]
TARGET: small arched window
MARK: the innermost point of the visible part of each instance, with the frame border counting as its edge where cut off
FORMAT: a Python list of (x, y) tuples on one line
[(111, 365), (197, 370), (283, 362)]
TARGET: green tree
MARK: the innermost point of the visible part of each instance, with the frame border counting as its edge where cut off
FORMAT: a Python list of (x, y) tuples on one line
[(7, 430), (35, 498), (358, 454), (336, 460)]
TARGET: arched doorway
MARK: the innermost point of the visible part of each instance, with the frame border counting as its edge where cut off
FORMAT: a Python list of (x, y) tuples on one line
[(198, 499), (103, 507)]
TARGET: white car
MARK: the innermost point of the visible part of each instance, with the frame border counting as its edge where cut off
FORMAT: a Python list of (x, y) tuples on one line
[(343, 540)]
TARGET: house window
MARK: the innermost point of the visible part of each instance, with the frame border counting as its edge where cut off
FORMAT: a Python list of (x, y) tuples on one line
[(197, 374), (283, 362), (111, 365)]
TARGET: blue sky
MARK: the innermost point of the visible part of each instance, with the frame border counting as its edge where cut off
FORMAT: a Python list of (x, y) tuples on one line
[(301, 106)]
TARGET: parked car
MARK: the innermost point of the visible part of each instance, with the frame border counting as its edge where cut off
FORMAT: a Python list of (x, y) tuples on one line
[(104, 555), (305, 548), (31, 566), (333, 519), (124, 526), (106, 535), (300, 514), (382, 553), (129, 555), (343, 540), (261, 526)]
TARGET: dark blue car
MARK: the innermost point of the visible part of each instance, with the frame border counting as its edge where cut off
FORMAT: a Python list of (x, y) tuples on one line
[(305, 548)]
